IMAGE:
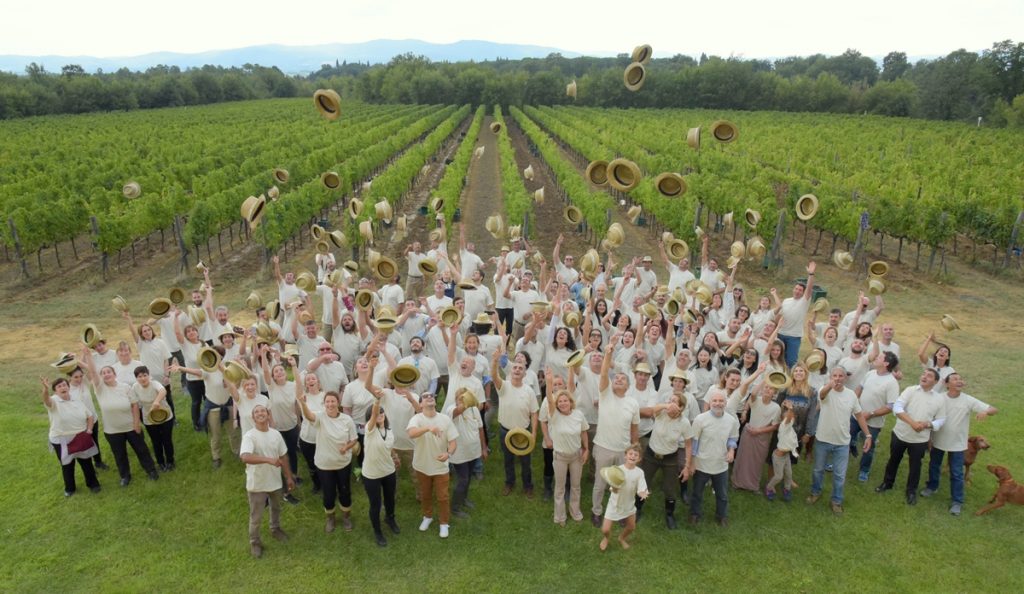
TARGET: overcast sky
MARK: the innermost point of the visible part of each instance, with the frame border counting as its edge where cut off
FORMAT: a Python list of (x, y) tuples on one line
[(747, 28)]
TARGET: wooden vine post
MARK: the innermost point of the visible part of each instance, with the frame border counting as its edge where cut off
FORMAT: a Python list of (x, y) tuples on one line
[(17, 247)]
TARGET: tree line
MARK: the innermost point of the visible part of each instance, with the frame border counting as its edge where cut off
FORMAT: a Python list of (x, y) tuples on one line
[(960, 86)]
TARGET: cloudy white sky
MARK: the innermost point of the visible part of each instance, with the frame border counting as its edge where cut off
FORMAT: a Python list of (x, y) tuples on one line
[(748, 28)]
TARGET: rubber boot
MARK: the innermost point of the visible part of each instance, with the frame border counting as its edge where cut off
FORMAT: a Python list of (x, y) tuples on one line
[(346, 520), (670, 514), (329, 526)]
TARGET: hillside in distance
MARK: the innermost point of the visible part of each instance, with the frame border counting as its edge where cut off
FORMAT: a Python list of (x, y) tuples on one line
[(295, 59)]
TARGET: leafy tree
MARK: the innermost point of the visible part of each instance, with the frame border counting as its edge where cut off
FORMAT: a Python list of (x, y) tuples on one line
[(894, 65)]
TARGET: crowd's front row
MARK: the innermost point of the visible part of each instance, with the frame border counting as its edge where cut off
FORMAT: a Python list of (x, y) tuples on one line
[(690, 448)]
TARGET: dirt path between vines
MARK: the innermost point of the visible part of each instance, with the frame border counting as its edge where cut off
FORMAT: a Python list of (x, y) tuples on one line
[(482, 197)]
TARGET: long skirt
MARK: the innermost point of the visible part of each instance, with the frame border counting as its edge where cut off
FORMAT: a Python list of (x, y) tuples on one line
[(750, 460)]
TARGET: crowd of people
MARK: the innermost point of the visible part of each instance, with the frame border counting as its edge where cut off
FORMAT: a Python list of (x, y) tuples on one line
[(613, 372)]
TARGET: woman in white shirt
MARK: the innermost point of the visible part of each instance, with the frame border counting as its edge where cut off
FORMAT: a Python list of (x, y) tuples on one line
[(335, 440), (69, 419), (190, 345), (940, 361), (380, 465), (152, 396), (470, 446), (284, 409), (565, 431), (308, 392), (154, 354)]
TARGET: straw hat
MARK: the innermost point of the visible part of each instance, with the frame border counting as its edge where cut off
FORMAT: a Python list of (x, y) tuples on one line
[(677, 249), (337, 238), (590, 261), (385, 324), (468, 398), (689, 316), (403, 376), (679, 374), (703, 294), (820, 305), (437, 235), (615, 235), (65, 363), (755, 248), (727, 219), (428, 266), (119, 303), (351, 266), (642, 367), (91, 335), (570, 89), (273, 193), (778, 380), (614, 476), (323, 247), (208, 359), (306, 317), (235, 372), (571, 319), (623, 174), (878, 268), (572, 215), (482, 319), (159, 307), (328, 103), (597, 173), (672, 307), (642, 54), (317, 232), (515, 232), (693, 138), (495, 127), (495, 226), (670, 185), (876, 286), (158, 415), (386, 268), (814, 361), (520, 442), (806, 207), (355, 208), (575, 358), (724, 131), (274, 309), (450, 316), (737, 249), (949, 323), (334, 278), (650, 310), (131, 190), (538, 195), (698, 233), (732, 262), (281, 175), (306, 281), (634, 213), (364, 299), (176, 295), (366, 231), (843, 260), (634, 76), (528, 172), (252, 209), (752, 217), (330, 180), (466, 285), (383, 211), (372, 257), (437, 203), (400, 223), (254, 300)]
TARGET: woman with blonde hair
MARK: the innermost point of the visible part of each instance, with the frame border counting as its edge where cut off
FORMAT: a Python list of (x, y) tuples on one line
[(803, 400), (565, 431)]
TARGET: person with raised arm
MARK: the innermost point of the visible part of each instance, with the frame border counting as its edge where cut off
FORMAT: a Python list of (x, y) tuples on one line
[(152, 396), (877, 393), (70, 436), (712, 449), (435, 438), (517, 409), (217, 407), (265, 456), (671, 428), (794, 311), (832, 438), (284, 408), (335, 440), (153, 353)]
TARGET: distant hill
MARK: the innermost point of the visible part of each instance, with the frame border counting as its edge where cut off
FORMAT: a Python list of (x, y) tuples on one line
[(296, 59)]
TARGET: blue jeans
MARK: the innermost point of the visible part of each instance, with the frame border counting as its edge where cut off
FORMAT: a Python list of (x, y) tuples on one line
[(838, 456), (720, 483), (956, 473), (792, 348), (855, 433), (510, 465)]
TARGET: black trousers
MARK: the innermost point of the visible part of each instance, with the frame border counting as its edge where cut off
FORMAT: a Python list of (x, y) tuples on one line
[(897, 447), (98, 458), (462, 473), (197, 391), (119, 443), (309, 452), (161, 436), (67, 472), (379, 491), (291, 439), (506, 318), (337, 487)]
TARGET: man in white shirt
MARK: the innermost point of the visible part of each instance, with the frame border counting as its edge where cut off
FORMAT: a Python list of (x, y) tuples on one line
[(877, 393), (920, 411), (517, 409), (951, 438), (678, 275), (832, 439), (471, 262), (886, 343), (793, 312), (391, 294), (266, 457), (413, 276), (564, 270), (855, 364), (522, 299), (618, 419), (712, 449)]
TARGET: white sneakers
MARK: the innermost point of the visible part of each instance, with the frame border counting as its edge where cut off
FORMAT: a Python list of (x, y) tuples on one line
[(425, 524), (444, 530)]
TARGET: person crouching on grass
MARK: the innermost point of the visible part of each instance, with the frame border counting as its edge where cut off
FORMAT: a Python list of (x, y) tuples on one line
[(622, 502), (265, 456)]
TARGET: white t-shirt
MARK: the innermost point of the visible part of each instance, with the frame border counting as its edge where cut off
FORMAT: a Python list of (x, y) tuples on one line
[(952, 436), (116, 407), (331, 435), (146, 396), (470, 263), (332, 376), (377, 445), (215, 390), (468, 425), (126, 371), (263, 478), (713, 434), (615, 416), (857, 370), (565, 431), (921, 406), (587, 383), (315, 404), (834, 416), (359, 400), (414, 259), (622, 502), (793, 313), (668, 433), (427, 368), (645, 399), (67, 417), (878, 391), (516, 405), (521, 303), (429, 446), (245, 406), (399, 411), (677, 277), (154, 355), (282, 405)]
